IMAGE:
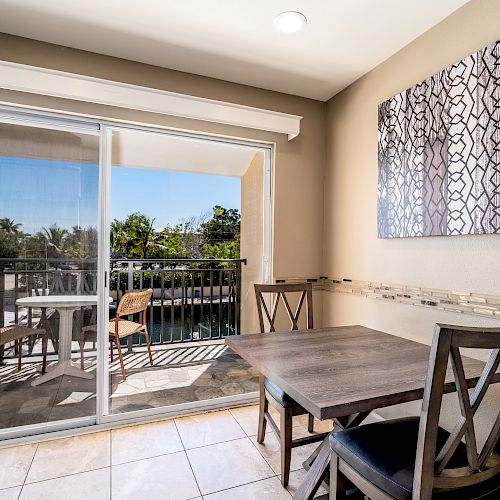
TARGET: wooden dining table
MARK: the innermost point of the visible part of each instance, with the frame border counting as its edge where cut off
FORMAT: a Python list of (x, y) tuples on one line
[(342, 373)]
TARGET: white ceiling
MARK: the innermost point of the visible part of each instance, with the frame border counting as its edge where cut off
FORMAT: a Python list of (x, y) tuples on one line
[(234, 40), (137, 149)]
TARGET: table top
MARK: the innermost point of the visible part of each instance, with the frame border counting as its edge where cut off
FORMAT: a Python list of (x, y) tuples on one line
[(334, 372), (58, 301)]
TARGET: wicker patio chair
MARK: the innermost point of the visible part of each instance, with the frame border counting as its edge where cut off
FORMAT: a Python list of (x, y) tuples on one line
[(20, 334), (119, 328)]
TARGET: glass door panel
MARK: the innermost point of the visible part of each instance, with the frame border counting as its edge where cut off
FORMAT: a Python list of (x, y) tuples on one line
[(49, 192), (175, 229)]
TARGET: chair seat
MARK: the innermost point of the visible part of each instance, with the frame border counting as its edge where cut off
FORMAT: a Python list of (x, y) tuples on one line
[(384, 453), (15, 332), (125, 328), (279, 394)]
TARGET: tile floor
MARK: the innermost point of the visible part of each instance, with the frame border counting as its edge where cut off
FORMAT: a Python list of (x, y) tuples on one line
[(213, 456)]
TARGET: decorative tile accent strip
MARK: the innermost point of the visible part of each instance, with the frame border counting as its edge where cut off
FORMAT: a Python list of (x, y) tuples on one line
[(446, 300)]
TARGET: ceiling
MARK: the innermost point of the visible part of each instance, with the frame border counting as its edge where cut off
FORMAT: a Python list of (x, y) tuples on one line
[(235, 40), (151, 150)]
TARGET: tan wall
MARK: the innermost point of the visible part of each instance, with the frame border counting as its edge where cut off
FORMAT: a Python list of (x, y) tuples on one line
[(352, 249), (252, 247), (299, 164)]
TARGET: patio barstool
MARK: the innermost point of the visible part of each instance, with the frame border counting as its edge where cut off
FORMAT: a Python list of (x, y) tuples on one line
[(270, 392), (119, 328), (19, 334)]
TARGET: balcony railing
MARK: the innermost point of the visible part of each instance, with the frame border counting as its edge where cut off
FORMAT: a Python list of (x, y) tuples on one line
[(193, 299)]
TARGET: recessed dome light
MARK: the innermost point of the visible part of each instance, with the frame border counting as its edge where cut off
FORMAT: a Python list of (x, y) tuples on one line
[(290, 22)]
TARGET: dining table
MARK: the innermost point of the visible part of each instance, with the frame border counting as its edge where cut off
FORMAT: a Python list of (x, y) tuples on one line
[(342, 374), (65, 305)]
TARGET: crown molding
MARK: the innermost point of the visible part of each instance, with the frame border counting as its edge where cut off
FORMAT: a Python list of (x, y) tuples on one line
[(53, 83)]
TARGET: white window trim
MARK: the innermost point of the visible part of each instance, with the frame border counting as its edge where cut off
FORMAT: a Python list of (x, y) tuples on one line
[(49, 82)]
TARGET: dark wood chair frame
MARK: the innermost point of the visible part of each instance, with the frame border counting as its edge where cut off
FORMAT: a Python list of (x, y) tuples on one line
[(431, 473), (284, 430)]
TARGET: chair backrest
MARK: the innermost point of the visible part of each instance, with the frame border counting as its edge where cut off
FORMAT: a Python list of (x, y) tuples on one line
[(431, 465), (280, 291), (134, 302)]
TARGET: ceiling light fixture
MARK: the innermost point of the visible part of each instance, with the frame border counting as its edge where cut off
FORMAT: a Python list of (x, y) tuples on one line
[(290, 22)]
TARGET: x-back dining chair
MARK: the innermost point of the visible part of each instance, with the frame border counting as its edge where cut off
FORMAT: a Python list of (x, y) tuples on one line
[(119, 327), (270, 392), (414, 458)]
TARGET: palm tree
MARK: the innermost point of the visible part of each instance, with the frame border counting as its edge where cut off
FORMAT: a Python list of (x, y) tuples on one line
[(55, 239), (10, 226)]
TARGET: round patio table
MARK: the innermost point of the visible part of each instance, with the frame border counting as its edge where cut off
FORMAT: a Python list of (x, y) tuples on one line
[(66, 305)]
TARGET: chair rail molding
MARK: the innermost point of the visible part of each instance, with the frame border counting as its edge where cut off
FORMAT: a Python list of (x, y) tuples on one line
[(54, 83)]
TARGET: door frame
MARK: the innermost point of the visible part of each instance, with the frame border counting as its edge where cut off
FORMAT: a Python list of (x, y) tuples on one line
[(104, 417), (103, 420)]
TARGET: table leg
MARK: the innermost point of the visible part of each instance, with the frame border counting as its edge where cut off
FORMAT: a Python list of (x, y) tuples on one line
[(64, 364), (316, 473), (318, 463)]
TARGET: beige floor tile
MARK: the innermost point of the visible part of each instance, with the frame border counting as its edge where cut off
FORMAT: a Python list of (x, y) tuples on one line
[(168, 477), (296, 478), (93, 484), (266, 489), (15, 463), (10, 493), (270, 450), (248, 418), (208, 428), (226, 465), (319, 425), (73, 455), (144, 441)]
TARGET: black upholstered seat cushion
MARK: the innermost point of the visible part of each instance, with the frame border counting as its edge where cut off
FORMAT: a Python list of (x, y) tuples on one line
[(384, 454), (278, 394)]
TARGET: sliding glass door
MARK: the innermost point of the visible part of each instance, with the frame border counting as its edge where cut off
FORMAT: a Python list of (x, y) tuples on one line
[(49, 196), (90, 213)]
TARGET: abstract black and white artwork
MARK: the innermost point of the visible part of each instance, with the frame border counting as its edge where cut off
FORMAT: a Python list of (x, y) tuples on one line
[(439, 152)]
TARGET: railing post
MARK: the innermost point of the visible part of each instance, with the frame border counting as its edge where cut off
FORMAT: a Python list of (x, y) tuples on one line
[(2, 294), (237, 312), (2, 304), (130, 286)]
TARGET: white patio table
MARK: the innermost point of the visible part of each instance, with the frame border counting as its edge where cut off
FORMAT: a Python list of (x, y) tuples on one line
[(66, 305)]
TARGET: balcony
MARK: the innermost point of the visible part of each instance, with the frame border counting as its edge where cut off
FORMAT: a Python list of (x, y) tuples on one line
[(195, 305)]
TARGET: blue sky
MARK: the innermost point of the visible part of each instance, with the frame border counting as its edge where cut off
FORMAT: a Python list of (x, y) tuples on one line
[(38, 193), (170, 196)]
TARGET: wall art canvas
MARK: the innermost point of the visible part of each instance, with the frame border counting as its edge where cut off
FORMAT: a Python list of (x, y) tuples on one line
[(439, 152)]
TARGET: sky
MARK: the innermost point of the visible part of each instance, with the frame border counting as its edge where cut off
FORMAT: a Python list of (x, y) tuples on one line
[(39, 193)]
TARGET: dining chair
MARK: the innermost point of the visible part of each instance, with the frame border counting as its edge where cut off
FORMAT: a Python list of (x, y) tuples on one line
[(119, 327), (21, 334), (415, 458), (272, 394)]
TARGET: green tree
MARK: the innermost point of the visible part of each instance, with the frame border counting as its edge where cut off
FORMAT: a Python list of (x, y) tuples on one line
[(221, 234), (9, 245), (57, 241), (10, 226), (224, 226), (82, 242), (135, 237)]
